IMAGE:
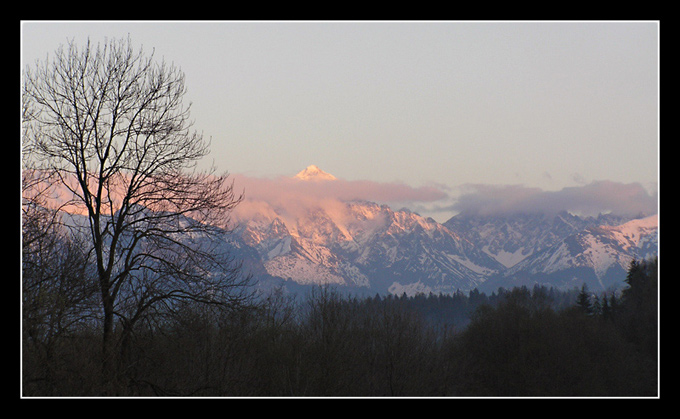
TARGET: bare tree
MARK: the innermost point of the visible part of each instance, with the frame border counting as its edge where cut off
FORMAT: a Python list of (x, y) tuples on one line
[(108, 123)]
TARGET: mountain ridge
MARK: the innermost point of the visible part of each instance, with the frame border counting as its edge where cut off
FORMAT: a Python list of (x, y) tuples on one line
[(597, 255), (367, 247), (313, 173), (371, 246), (364, 246)]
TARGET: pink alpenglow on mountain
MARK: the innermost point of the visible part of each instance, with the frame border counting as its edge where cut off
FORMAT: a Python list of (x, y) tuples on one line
[(314, 173)]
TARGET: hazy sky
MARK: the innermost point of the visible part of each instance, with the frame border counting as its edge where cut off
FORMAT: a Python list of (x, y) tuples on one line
[(539, 106)]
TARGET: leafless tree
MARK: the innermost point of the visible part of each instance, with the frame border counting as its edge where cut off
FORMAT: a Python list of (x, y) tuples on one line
[(108, 125)]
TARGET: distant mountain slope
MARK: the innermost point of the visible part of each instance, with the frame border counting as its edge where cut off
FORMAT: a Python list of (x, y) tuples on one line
[(314, 173), (366, 247), (511, 238), (597, 256)]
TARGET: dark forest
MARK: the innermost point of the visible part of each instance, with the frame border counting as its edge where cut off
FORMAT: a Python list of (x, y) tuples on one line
[(128, 291), (522, 342)]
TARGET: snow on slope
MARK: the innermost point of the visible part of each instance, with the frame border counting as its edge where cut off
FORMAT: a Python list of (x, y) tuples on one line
[(600, 250), (370, 245), (365, 244), (314, 173)]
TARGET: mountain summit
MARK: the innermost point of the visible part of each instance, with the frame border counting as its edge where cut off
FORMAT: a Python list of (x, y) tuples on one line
[(314, 173)]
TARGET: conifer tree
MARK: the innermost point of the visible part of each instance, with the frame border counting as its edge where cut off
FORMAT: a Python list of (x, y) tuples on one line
[(639, 304), (583, 300), (596, 308), (606, 309)]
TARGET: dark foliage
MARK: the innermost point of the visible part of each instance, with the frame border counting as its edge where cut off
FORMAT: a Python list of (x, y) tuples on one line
[(519, 342)]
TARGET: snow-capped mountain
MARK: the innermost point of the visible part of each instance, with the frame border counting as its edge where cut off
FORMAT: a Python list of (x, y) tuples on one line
[(314, 173), (511, 238), (366, 246), (598, 255)]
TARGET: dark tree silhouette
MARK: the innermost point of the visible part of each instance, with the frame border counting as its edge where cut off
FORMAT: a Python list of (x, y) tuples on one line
[(108, 126)]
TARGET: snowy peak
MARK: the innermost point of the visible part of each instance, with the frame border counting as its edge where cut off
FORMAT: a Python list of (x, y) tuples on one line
[(366, 245), (369, 247), (313, 173), (635, 228), (597, 255)]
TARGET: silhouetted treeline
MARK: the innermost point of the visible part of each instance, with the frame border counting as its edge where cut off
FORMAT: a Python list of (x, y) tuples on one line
[(601, 346), (518, 342), (455, 311)]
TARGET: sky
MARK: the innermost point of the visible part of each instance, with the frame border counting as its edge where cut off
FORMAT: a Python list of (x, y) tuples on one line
[(456, 115)]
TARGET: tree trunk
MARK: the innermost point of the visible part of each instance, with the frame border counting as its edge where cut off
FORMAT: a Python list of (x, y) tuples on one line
[(108, 365)]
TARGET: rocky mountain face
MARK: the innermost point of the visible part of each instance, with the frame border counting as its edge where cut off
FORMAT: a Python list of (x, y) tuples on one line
[(371, 248), (511, 238), (366, 245), (598, 255), (367, 248)]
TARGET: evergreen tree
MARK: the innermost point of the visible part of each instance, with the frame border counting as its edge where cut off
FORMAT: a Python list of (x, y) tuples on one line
[(606, 309), (596, 308), (613, 305), (642, 284), (639, 305), (583, 300)]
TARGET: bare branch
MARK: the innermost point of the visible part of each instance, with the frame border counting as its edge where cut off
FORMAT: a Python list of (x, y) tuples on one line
[(109, 127)]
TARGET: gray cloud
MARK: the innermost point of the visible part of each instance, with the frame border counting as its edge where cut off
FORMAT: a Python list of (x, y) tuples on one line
[(591, 199), (442, 202), (294, 196), (285, 189)]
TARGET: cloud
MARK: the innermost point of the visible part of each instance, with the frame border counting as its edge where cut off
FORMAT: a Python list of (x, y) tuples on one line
[(289, 194), (591, 199), (272, 189), (293, 197)]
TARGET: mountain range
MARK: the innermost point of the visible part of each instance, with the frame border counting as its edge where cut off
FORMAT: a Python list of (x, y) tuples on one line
[(365, 247)]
